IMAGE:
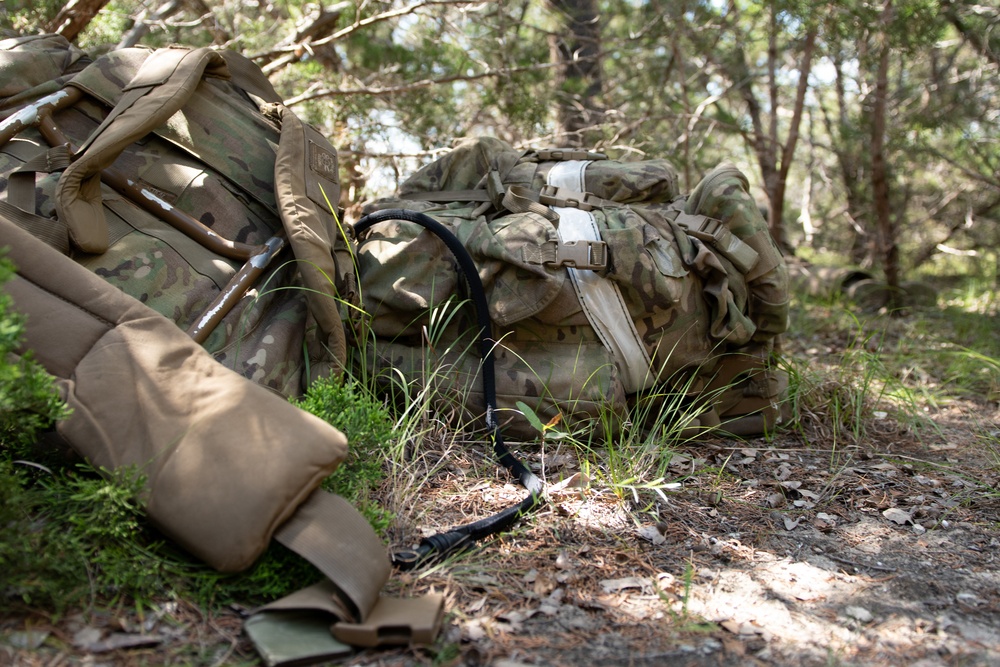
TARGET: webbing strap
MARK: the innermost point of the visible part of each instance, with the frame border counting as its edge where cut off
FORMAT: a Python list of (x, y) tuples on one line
[(21, 182), (768, 256), (327, 531), (53, 232), (520, 199), (717, 235), (448, 196), (600, 298)]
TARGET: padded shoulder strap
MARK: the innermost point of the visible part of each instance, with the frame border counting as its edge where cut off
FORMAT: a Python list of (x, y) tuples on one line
[(228, 464), (166, 80)]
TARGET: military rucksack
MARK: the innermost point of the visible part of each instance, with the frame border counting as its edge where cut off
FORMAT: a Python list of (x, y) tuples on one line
[(168, 174), (149, 200), (605, 285)]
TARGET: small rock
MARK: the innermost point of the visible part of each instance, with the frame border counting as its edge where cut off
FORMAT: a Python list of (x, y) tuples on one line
[(28, 639), (897, 516), (859, 614), (711, 645)]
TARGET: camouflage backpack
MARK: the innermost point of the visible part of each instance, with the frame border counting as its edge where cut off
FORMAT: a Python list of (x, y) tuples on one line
[(147, 201), (606, 288), (177, 176)]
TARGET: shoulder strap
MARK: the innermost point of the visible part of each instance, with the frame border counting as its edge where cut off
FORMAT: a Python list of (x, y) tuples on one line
[(166, 80)]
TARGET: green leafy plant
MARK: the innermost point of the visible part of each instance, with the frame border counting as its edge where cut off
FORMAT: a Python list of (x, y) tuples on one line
[(29, 401), (370, 429)]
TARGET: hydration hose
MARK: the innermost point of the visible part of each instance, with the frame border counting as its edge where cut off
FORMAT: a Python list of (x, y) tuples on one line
[(460, 537)]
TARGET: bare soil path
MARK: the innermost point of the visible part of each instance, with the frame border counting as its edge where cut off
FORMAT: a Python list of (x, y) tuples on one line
[(770, 553)]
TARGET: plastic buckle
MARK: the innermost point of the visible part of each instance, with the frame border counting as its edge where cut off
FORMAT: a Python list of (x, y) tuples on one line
[(584, 255), (395, 621), (551, 195)]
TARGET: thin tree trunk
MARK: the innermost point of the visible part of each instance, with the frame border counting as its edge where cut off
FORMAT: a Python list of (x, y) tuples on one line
[(579, 81), (888, 248), (777, 195)]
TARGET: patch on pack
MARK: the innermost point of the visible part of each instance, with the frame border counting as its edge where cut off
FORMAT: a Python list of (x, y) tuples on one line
[(323, 162)]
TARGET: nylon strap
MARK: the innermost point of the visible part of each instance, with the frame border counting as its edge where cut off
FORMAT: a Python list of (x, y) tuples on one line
[(331, 534), (599, 297), (717, 235), (53, 232), (21, 182), (448, 195)]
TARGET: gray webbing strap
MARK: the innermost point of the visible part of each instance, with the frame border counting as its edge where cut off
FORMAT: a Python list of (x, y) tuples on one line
[(600, 298)]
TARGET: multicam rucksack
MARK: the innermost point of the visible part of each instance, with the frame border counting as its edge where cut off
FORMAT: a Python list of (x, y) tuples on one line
[(151, 192), (177, 176), (605, 285)]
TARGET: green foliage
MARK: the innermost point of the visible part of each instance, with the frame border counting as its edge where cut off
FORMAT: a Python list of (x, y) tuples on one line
[(70, 535), (21, 16), (28, 398), (369, 427)]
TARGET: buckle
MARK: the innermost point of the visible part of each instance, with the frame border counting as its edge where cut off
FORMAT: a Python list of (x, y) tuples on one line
[(584, 255), (550, 195), (394, 622)]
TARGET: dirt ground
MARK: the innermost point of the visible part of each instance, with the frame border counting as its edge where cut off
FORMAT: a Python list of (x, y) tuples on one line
[(768, 553)]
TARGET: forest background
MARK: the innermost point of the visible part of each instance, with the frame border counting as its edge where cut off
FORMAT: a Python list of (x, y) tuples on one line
[(869, 129), (862, 533)]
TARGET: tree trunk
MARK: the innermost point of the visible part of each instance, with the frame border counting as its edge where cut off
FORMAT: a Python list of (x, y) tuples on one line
[(777, 194), (576, 53), (888, 248)]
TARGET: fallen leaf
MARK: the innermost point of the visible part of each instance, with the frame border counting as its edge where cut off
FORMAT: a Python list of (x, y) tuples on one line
[(578, 481), (790, 524), (476, 606), (652, 533), (619, 585), (898, 516), (740, 627), (775, 500)]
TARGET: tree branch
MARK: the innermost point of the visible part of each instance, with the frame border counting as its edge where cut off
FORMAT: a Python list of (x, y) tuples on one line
[(413, 85)]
